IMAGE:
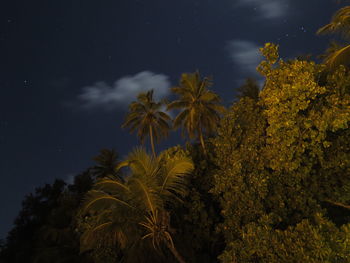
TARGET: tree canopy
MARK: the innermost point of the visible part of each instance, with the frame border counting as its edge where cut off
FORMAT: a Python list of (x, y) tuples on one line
[(136, 210), (266, 180), (280, 161)]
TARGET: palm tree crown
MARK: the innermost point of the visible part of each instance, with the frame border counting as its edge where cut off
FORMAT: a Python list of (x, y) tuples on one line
[(135, 210), (106, 162), (200, 106), (340, 23), (338, 55), (146, 117)]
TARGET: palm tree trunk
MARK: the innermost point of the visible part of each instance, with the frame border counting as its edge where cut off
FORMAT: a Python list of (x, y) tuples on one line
[(200, 134), (152, 143), (175, 252)]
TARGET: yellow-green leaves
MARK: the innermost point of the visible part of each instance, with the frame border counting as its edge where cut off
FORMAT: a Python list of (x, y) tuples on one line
[(135, 208), (279, 159), (270, 52), (299, 110)]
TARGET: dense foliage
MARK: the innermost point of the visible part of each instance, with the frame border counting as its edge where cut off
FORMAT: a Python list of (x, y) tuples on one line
[(44, 230), (266, 180), (280, 160)]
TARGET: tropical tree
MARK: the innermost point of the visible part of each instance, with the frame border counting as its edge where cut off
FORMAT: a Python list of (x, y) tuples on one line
[(282, 163), (198, 216), (145, 116), (340, 24), (249, 89), (44, 229), (106, 162), (200, 106), (132, 212)]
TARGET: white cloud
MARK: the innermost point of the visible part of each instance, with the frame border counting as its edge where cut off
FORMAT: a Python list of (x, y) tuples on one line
[(124, 90), (268, 9), (245, 55)]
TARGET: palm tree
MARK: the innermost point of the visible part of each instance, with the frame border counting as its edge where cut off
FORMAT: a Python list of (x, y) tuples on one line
[(133, 211), (338, 55), (200, 106), (146, 117), (249, 89), (106, 162)]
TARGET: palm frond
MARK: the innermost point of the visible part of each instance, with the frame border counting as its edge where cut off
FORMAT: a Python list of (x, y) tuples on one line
[(327, 29), (131, 119), (174, 175), (147, 193), (108, 185), (181, 90), (156, 227), (180, 118), (340, 23), (98, 200), (108, 232), (162, 128), (140, 162), (122, 165), (210, 96), (143, 115), (164, 116), (339, 57), (177, 104), (216, 108), (118, 209), (194, 98)]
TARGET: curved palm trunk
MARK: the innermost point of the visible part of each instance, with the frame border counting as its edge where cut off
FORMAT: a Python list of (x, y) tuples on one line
[(175, 252), (152, 143), (200, 134)]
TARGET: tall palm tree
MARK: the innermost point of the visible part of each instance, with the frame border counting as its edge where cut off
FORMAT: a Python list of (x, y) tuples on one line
[(200, 106), (145, 116), (136, 210), (340, 23)]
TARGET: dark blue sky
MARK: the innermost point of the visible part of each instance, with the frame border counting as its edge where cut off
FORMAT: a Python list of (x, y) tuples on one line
[(69, 69)]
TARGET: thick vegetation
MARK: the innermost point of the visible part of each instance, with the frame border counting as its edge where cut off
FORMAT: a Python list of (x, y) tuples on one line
[(266, 180), (282, 161)]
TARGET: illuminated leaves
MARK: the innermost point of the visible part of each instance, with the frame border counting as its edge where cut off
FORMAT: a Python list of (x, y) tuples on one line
[(281, 157)]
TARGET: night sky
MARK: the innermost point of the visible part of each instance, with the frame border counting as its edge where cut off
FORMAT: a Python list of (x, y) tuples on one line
[(69, 69)]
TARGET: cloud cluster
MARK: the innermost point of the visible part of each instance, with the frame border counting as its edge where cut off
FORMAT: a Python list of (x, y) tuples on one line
[(124, 90), (245, 55), (268, 9)]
